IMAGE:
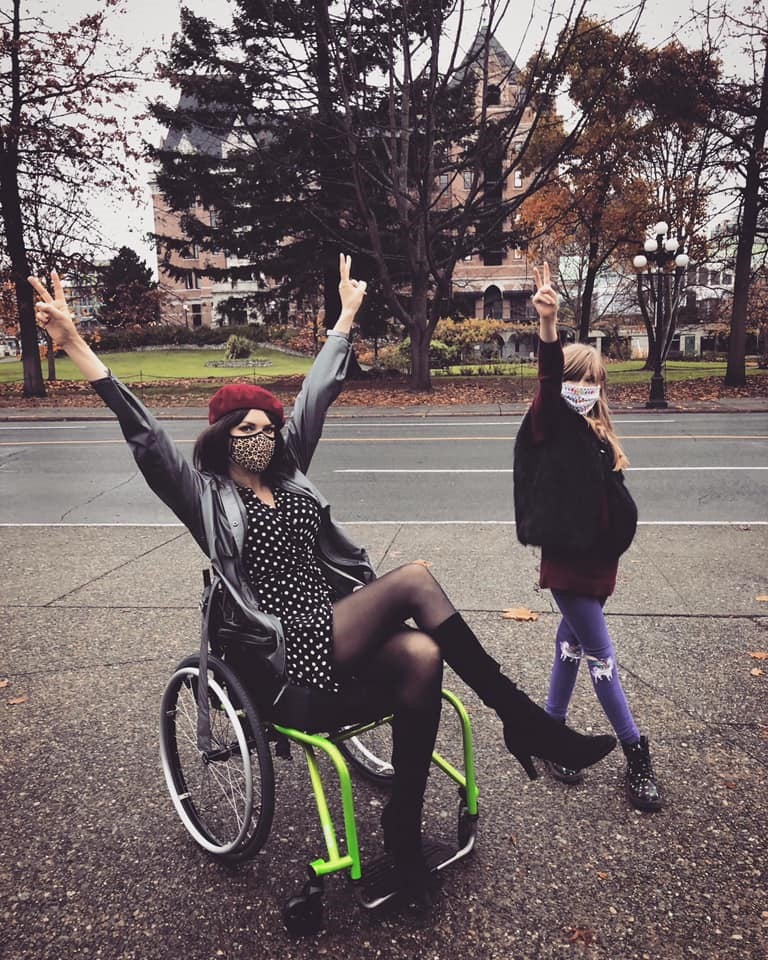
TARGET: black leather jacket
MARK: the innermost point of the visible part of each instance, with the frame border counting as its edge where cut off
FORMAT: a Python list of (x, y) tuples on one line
[(209, 505)]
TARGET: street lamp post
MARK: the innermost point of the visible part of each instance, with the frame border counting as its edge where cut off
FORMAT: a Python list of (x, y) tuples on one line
[(661, 250)]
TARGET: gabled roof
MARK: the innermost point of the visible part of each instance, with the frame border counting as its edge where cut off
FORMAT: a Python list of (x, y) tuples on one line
[(495, 51)]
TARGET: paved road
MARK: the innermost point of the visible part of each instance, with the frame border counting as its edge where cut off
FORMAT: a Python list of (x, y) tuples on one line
[(94, 862), (685, 467)]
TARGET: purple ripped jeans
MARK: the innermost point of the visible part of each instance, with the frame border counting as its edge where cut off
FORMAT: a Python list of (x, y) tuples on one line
[(583, 633)]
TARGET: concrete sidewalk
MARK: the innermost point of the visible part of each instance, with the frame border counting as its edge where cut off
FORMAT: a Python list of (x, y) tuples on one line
[(96, 864)]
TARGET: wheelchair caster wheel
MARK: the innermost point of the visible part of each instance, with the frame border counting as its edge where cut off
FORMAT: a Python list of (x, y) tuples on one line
[(303, 914)]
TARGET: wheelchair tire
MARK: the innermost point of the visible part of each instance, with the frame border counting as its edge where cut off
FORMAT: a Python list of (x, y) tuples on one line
[(226, 798), (369, 754)]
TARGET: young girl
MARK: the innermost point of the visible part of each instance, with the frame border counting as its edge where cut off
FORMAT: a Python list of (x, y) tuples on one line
[(570, 499), (296, 575)]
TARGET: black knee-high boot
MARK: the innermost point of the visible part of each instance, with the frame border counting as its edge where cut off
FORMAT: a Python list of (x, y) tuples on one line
[(413, 738), (528, 730)]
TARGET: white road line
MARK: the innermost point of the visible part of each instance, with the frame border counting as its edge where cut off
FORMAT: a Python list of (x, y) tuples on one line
[(427, 422), (45, 426), (509, 469), (424, 523)]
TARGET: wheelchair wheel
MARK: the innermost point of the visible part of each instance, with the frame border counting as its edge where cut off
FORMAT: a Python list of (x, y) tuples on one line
[(369, 753), (226, 797)]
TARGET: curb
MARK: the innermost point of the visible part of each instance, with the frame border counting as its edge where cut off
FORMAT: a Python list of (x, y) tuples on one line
[(79, 414)]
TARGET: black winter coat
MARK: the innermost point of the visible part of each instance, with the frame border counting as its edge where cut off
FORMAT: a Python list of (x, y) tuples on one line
[(562, 486)]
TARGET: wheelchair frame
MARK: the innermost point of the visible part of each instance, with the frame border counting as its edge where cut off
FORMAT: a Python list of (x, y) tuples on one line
[(230, 701)]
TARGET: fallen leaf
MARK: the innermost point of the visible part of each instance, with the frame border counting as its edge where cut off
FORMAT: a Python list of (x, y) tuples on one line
[(15, 701), (731, 785), (4, 684), (583, 935), (519, 613), (763, 598), (423, 563), (602, 875), (760, 655), (756, 672)]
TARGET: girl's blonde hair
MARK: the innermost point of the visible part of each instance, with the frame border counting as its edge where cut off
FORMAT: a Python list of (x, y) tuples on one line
[(583, 362)]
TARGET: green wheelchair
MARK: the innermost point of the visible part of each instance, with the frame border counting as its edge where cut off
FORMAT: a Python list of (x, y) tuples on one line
[(225, 795)]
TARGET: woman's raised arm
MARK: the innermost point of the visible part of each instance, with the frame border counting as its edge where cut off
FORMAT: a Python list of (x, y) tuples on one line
[(55, 317)]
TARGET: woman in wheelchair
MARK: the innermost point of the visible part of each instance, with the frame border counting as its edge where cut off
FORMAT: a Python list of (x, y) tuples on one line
[(293, 573)]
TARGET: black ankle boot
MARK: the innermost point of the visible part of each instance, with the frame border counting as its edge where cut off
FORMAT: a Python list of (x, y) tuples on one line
[(529, 731), (565, 774), (401, 825), (640, 783)]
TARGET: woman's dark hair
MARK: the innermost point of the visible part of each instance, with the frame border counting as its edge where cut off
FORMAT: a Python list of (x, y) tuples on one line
[(211, 452)]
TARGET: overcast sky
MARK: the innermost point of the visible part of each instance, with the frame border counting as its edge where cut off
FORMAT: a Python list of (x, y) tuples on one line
[(151, 23)]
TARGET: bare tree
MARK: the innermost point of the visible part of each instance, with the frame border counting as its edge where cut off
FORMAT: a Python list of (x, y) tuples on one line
[(56, 134)]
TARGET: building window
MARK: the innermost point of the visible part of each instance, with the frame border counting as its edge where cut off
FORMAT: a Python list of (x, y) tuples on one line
[(518, 253), (727, 279), (517, 180), (197, 314), (443, 180), (192, 280), (493, 95), (468, 178), (493, 302), (493, 258)]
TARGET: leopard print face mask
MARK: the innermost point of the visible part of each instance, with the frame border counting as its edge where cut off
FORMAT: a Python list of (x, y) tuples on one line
[(252, 453)]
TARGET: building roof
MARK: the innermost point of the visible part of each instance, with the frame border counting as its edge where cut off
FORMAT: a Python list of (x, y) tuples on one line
[(495, 51), (206, 138)]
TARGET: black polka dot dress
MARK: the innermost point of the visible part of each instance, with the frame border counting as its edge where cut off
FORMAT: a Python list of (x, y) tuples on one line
[(279, 557)]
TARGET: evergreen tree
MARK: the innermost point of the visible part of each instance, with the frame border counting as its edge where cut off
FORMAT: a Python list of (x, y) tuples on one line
[(127, 294)]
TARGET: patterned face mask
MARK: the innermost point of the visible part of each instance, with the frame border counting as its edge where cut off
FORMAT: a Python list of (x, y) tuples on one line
[(253, 453), (580, 397)]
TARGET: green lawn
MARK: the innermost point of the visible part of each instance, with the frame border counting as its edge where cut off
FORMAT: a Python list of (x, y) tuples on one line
[(630, 371), (135, 366)]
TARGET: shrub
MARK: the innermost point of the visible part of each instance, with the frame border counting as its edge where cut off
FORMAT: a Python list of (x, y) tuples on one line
[(238, 348)]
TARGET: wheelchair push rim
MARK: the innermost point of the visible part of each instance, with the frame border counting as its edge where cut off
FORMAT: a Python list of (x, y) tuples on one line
[(225, 797)]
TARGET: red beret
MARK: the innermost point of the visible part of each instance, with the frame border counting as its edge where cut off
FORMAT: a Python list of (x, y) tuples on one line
[(243, 396)]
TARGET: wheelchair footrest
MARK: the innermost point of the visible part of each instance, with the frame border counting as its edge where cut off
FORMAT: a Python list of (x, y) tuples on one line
[(379, 882)]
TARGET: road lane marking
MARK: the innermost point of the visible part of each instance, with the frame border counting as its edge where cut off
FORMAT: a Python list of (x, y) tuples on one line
[(474, 439), (509, 469), (412, 523), (428, 422)]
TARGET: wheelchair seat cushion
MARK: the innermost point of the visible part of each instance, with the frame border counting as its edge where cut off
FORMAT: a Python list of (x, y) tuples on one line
[(318, 711), (306, 708)]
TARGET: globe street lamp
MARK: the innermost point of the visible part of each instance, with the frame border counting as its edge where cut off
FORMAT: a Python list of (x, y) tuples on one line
[(658, 304)]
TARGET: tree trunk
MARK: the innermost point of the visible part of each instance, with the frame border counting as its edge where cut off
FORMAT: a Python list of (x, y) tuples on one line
[(34, 386), (735, 373), (10, 205), (50, 356), (585, 308), (419, 330)]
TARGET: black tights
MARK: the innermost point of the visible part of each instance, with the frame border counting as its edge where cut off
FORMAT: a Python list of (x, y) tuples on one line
[(370, 639)]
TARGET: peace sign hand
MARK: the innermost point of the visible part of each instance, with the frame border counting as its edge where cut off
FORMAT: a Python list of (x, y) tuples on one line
[(52, 312), (545, 300)]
